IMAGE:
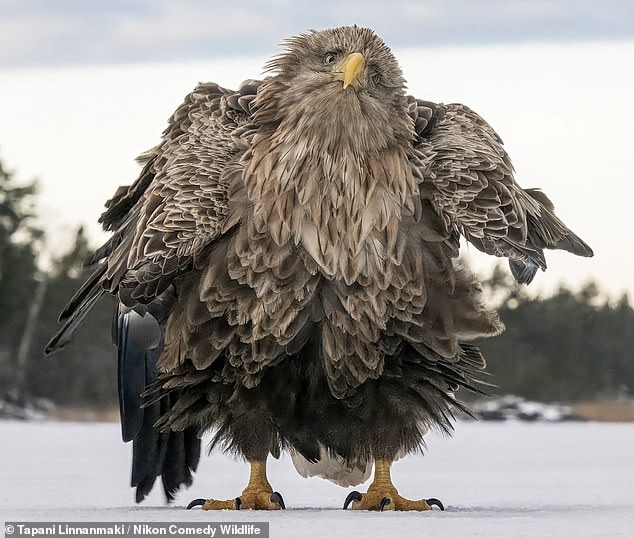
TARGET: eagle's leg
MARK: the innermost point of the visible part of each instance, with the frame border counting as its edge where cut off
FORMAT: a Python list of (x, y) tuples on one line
[(382, 495), (258, 495)]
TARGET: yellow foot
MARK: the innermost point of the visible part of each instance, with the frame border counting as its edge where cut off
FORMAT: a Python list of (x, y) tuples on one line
[(382, 495), (388, 499), (250, 499), (258, 495)]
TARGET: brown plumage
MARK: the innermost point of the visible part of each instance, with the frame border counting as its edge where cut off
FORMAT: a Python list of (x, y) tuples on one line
[(288, 257)]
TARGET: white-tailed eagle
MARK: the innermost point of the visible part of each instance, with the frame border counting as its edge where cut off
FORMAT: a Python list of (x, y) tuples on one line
[(287, 271)]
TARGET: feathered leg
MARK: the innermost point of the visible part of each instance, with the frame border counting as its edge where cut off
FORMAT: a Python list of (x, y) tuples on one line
[(382, 495), (258, 495)]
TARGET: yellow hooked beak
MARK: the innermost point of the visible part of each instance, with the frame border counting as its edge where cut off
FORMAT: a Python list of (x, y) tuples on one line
[(351, 69)]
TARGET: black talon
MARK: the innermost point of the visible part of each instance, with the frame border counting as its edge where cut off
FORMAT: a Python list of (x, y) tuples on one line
[(238, 502), (435, 502), (352, 496), (384, 502), (196, 502), (277, 498)]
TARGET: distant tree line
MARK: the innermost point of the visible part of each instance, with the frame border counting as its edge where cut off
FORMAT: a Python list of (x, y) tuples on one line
[(84, 373), (570, 346)]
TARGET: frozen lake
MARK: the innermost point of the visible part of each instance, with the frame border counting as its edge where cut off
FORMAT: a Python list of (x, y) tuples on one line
[(496, 480)]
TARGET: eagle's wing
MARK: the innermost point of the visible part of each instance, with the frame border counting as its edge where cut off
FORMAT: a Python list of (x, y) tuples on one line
[(466, 175), (177, 206), (160, 224)]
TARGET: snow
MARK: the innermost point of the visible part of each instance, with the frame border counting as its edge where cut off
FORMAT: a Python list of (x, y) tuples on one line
[(496, 480), (511, 407)]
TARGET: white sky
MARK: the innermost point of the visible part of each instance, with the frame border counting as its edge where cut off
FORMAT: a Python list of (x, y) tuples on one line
[(563, 110)]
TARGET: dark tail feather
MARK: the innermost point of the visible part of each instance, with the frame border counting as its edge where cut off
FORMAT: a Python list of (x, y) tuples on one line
[(148, 452), (172, 455), (183, 454)]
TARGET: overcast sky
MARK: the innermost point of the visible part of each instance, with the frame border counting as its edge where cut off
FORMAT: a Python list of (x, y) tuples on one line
[(71, 32)]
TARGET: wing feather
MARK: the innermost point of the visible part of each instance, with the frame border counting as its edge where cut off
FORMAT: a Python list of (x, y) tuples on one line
[(177, 206), (185, 205), (466, 174)]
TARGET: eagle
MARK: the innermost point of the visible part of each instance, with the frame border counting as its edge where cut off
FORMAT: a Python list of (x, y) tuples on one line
[(288, 274)]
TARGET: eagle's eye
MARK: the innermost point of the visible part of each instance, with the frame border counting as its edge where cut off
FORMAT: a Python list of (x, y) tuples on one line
[(330, 58)]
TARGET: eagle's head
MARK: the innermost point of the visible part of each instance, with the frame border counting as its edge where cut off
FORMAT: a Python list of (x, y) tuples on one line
[(328, 168), (340, 88)]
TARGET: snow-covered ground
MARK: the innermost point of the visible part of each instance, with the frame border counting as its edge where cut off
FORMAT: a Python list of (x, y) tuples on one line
[(496, 480)]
